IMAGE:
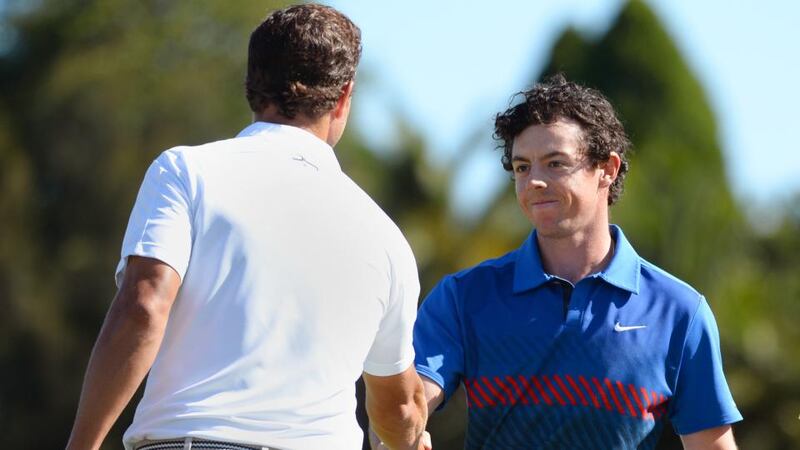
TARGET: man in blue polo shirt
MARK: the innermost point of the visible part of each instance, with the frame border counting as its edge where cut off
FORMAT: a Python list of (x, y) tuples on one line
[(573, 341)]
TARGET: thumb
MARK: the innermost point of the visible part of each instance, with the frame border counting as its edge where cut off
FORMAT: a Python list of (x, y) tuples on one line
[(426, 441)]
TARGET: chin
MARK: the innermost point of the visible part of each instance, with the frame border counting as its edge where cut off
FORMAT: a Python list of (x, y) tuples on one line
[(552, 230), (553, 233)]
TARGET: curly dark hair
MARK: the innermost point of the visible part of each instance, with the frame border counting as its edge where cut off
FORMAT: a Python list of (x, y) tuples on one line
[(556, 98), (300, 58)]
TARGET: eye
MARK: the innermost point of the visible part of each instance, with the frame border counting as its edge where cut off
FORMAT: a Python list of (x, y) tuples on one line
[(555, 164), (520, 168)]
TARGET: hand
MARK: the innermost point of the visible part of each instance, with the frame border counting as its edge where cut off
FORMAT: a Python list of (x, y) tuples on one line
[(424, 442)]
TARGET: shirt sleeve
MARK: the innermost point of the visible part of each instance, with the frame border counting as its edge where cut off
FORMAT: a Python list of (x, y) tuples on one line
[(160, 224), (702, 399), (438, 342), (392, 351)]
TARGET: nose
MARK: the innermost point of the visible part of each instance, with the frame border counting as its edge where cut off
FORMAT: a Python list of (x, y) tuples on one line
[(535, 181)]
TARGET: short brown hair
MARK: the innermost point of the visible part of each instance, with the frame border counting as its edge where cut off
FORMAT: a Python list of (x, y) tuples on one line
[(300, 58), (556, 98)]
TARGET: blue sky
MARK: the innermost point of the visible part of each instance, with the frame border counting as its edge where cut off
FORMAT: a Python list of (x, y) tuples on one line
[(447, 67)]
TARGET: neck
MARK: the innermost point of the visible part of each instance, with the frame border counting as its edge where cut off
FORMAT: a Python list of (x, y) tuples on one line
[(319, 127), (576, 256)]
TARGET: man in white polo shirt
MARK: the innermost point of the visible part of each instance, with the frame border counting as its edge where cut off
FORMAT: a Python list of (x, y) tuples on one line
[(257, 281)]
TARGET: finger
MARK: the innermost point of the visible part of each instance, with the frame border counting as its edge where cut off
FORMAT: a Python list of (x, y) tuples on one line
[(426, 441)]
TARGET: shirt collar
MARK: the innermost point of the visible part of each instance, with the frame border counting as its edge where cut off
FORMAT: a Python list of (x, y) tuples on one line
[(623, 271), (528, 271), (319, 149)]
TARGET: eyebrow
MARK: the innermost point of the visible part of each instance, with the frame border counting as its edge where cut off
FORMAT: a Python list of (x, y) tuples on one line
[(554, 154), (545, 156)]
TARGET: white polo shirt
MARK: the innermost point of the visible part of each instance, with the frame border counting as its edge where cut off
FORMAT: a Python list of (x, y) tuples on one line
[(293, 282)]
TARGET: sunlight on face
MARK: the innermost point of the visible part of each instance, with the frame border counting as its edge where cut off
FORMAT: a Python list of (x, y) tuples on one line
[(558, 189)]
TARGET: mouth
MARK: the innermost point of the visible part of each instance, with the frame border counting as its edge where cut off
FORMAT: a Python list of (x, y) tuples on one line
[(543, 203)]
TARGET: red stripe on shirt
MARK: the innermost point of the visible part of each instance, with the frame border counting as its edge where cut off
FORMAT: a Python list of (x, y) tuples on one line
[(471, 396), (520, 395), (544, 395), (656, 406), (614, 396), (602, 393), (553, 390), (641, 407), (646, 398), (507, 390), (494, 391), (564, 389), (529, 390), (577, 389), (477, 387), (663, 403), (589, 390), (625, 398)]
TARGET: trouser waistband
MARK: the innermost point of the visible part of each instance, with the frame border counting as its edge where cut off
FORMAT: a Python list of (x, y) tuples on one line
[(194, 443)]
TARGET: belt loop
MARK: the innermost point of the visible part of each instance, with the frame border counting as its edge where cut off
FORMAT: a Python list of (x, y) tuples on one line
[(187, 444)]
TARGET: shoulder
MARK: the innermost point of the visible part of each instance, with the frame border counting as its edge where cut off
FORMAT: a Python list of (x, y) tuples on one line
[(214, 149), (665, 287), (488, 269), (488, 278), (181, 158), (367, 211), (194, 163)]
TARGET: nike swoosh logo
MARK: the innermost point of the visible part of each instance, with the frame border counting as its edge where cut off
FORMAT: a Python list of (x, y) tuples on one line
[(619, 328)]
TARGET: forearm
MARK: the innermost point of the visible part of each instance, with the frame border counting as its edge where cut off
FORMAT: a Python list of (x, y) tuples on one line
[(122, 356), (434, 395), (718, 438), (401, 427)]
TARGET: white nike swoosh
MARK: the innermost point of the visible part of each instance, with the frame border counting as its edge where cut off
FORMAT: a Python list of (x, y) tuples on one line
[(619, 328)]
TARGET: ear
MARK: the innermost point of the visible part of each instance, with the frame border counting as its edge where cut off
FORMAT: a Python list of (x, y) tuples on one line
[(343, 103), (609, 169)]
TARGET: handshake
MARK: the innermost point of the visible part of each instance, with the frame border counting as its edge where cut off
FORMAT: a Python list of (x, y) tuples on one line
[(375, 442), (398, 407)]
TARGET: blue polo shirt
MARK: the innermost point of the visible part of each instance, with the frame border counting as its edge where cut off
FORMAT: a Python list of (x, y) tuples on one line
[(600, 364)]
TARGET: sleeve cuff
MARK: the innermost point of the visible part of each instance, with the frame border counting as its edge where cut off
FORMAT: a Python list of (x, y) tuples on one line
[(385, 370), (148, 251), (428, 373), (726, 419)]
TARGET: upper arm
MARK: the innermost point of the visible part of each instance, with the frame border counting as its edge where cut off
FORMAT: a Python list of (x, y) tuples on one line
[(160, 224), (718, 438), (702, 399), (438, 339), (392, 350), (385, 394), (148, 288), (434, 395)]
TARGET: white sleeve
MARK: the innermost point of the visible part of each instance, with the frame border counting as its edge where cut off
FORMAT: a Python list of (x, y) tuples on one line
[(160, 225), (392, 352)]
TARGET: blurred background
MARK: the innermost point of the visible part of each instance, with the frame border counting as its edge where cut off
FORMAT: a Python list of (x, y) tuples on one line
[(91, 91)]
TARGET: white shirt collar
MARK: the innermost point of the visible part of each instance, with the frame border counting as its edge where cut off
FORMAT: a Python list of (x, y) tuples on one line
[(318, 149)]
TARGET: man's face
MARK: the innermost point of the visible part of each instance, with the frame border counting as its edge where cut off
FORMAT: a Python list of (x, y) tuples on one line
[(558, 188)]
